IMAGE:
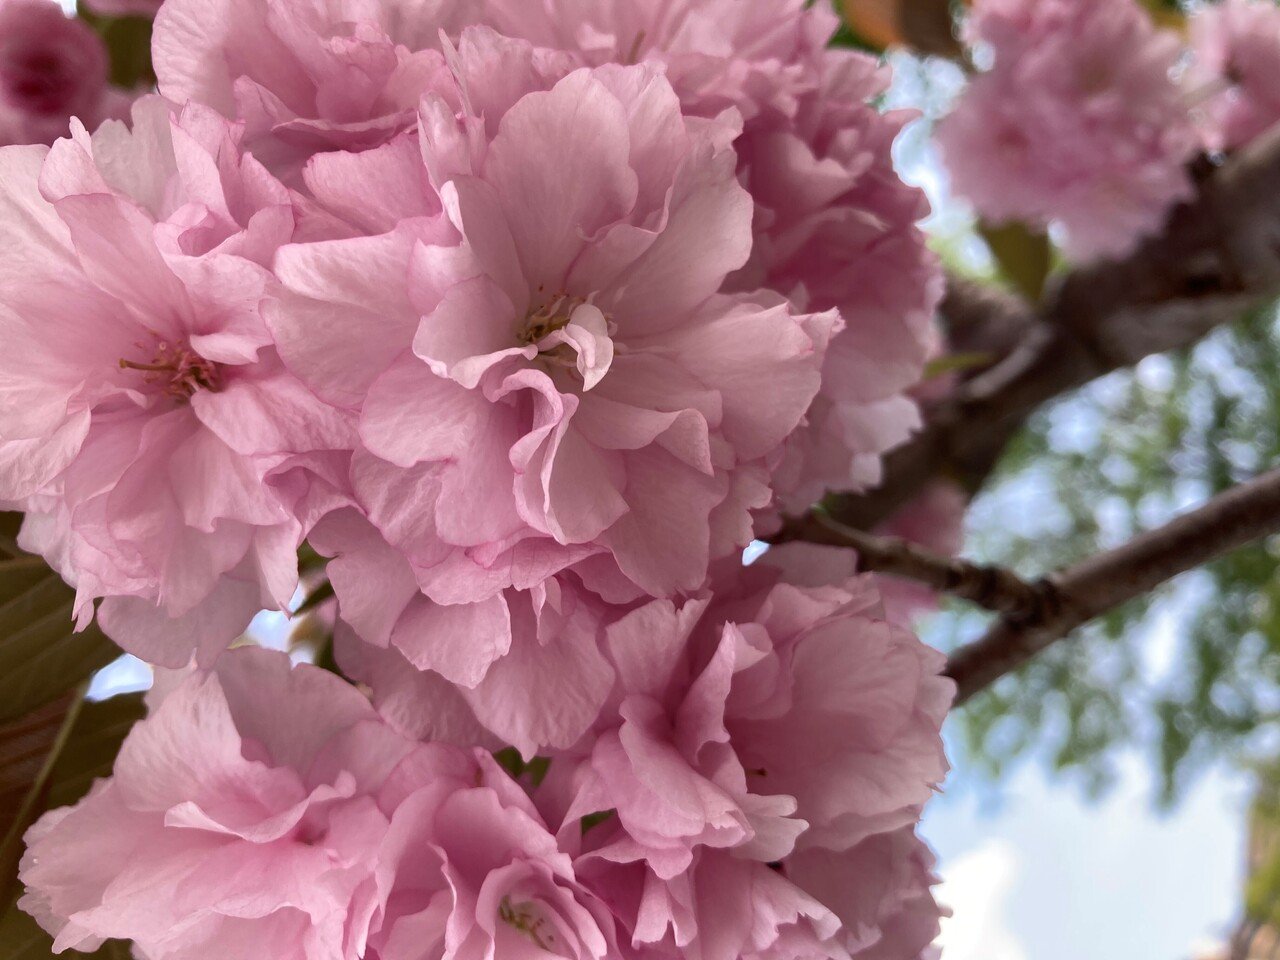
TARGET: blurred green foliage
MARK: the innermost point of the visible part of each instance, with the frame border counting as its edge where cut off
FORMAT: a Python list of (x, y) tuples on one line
[(1191, 674)]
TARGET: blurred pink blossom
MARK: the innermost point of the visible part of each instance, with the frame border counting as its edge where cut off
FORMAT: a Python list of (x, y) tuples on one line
[(1079, 121), (52, 68), (1236, 71)]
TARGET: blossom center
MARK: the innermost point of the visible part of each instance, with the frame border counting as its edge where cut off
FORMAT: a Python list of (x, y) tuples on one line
[(178, 371), (527, 919), (573, 333), (544, 320)]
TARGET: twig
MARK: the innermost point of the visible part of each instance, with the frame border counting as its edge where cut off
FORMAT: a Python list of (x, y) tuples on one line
[(1241, 515), (996, 588)]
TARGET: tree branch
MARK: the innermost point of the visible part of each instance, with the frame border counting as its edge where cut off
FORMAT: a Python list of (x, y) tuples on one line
[(1218, 258), (1072, 597), (996, 588)]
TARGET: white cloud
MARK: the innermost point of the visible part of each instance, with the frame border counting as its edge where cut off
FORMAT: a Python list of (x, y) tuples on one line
[(976, 887)]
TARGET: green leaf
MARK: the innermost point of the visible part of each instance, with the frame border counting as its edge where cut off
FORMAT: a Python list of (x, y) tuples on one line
[(1024, 256), (41, 655), (91, 750), (29, 752), (50, 758), (22, 939), (128, 42)]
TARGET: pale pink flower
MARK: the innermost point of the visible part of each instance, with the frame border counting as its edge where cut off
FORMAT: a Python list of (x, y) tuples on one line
[(261, 808), (880, 890), (242, 817), (523, 667), (786, 719), (52, 68), (747, 54), (469, 869), (834, 225), (144, 412), (547, 373), (833, 705), (1077, 122), (663, 759), (304, 76), (837, 228), (721, 908), (1235, 76)]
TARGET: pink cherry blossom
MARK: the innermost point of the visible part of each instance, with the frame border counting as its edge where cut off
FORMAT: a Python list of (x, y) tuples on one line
[(837, 228), (546, 374), (52, 68), (523, 667), (662, 758), (147, 424), (263, 808), (1078, 122), (880, 890), (746, 54), (834, 226), (1236, 71), (469, 869), (779, 719), (304, 76), (720, 908), (242, 817)]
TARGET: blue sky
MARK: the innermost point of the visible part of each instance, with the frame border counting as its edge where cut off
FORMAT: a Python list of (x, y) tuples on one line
[(1047, 875)]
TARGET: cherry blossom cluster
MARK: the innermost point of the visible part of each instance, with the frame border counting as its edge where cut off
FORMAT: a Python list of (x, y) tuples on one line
[(1088, 115), (527, 317)]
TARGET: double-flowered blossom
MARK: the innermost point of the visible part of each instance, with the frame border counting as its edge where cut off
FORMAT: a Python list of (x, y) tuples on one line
[(1078, 121), (779, 725), (834, 225), (263, 810), (837, 228), (1235, 75), (304, 76), (547, 378), (52, 68), (147, 426), (880, 890)]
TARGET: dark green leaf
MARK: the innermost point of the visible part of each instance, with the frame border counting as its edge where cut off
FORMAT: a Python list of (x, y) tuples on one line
[(49, 759), (41, 655), (22, 939), (1024, 256), (128, 42)]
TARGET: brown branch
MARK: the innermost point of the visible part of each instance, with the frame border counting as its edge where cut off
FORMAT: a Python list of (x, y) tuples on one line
[(995, 588), (1218, 258), (1078, 594)]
